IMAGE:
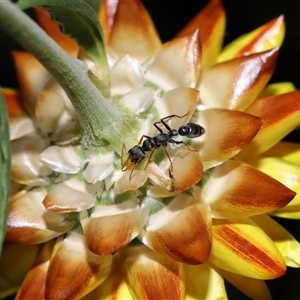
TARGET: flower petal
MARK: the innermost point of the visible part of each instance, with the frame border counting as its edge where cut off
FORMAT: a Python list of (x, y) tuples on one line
[(285, 242), (32, 78), (243, 191), (153, 276), (133, 32), (167, 74), (235, 84), (203, 282), (225, 137), (126, 75), (71, 195), (74, 271), (211, 24), (277, 89), (52, 29), (20, 123), (241, 247), (33, 286), (101, 235), (180, 231), (281, 115), (25, 167), (28, 221), (251, 287), (264, 38), (67, 159)]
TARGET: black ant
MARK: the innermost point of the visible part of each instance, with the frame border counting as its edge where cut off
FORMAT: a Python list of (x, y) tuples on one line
[(137, 153)]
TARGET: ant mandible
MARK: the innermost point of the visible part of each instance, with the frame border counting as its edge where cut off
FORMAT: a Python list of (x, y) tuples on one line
[(137, 153)]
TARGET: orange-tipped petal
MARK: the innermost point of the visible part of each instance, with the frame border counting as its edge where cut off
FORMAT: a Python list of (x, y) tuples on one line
[(235, 84), (33, 286), (52, 29), (181, 230), (153, 276), (177, 63), (74, 271), (28, 221), (285, 242), (20, 123), (241, 247), (25, 167), (225, 137), (252, 287), (133, 32), (32, 77), (101, 235), (281, 115), (210, 286), (211, 24), (243, 191), (264, 38)]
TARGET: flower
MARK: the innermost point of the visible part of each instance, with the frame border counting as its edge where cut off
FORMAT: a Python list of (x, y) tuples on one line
[(176, 225)]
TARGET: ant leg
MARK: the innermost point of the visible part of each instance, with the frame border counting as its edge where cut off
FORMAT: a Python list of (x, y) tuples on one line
[(167, 119), (141, 139), (182, 142), (149, 159), (171, 164)]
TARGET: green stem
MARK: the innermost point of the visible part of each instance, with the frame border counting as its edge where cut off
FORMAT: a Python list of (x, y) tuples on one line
[(99, 118)]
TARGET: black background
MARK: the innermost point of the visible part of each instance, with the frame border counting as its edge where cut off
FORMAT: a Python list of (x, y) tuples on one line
[(169, 17)]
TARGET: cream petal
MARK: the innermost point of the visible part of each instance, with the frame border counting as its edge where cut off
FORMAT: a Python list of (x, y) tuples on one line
[(173, 101), (177, 63), (235, 84), (266, 37), (211, 24), (236, 189), (225, 137), (99, 167), (49, 109), (33, 286), (138, 100), (67, 159), (101, 235), (25, 167), (74, 271), (32, 77), (203, 282), (181, 230), (71, 195), (241, 247), (281, 115), (126, 75), (152, 276), (133, 32), (20, 126), (29, 222)]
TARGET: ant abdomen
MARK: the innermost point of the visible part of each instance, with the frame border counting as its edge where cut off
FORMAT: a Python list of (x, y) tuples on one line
[(191, 130)]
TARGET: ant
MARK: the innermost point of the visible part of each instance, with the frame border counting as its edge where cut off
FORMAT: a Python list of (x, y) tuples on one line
[(137, 153)]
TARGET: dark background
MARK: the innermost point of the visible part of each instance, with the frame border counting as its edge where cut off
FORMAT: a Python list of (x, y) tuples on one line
[(169, 17)]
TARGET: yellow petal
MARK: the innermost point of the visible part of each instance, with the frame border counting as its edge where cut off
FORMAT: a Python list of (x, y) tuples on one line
[(153, 276), (277, 89), (261, 39), (28, 221), (253, 288), (243, 191), (185, 51), (74, 271), (181, 230), (211, 24), (241, 247), (32, 77), (281, 115), (33, 286), (52, 29), (133, 32), (203, 282), (285, 242), (236, 83), (226, 137), (101, 235)]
